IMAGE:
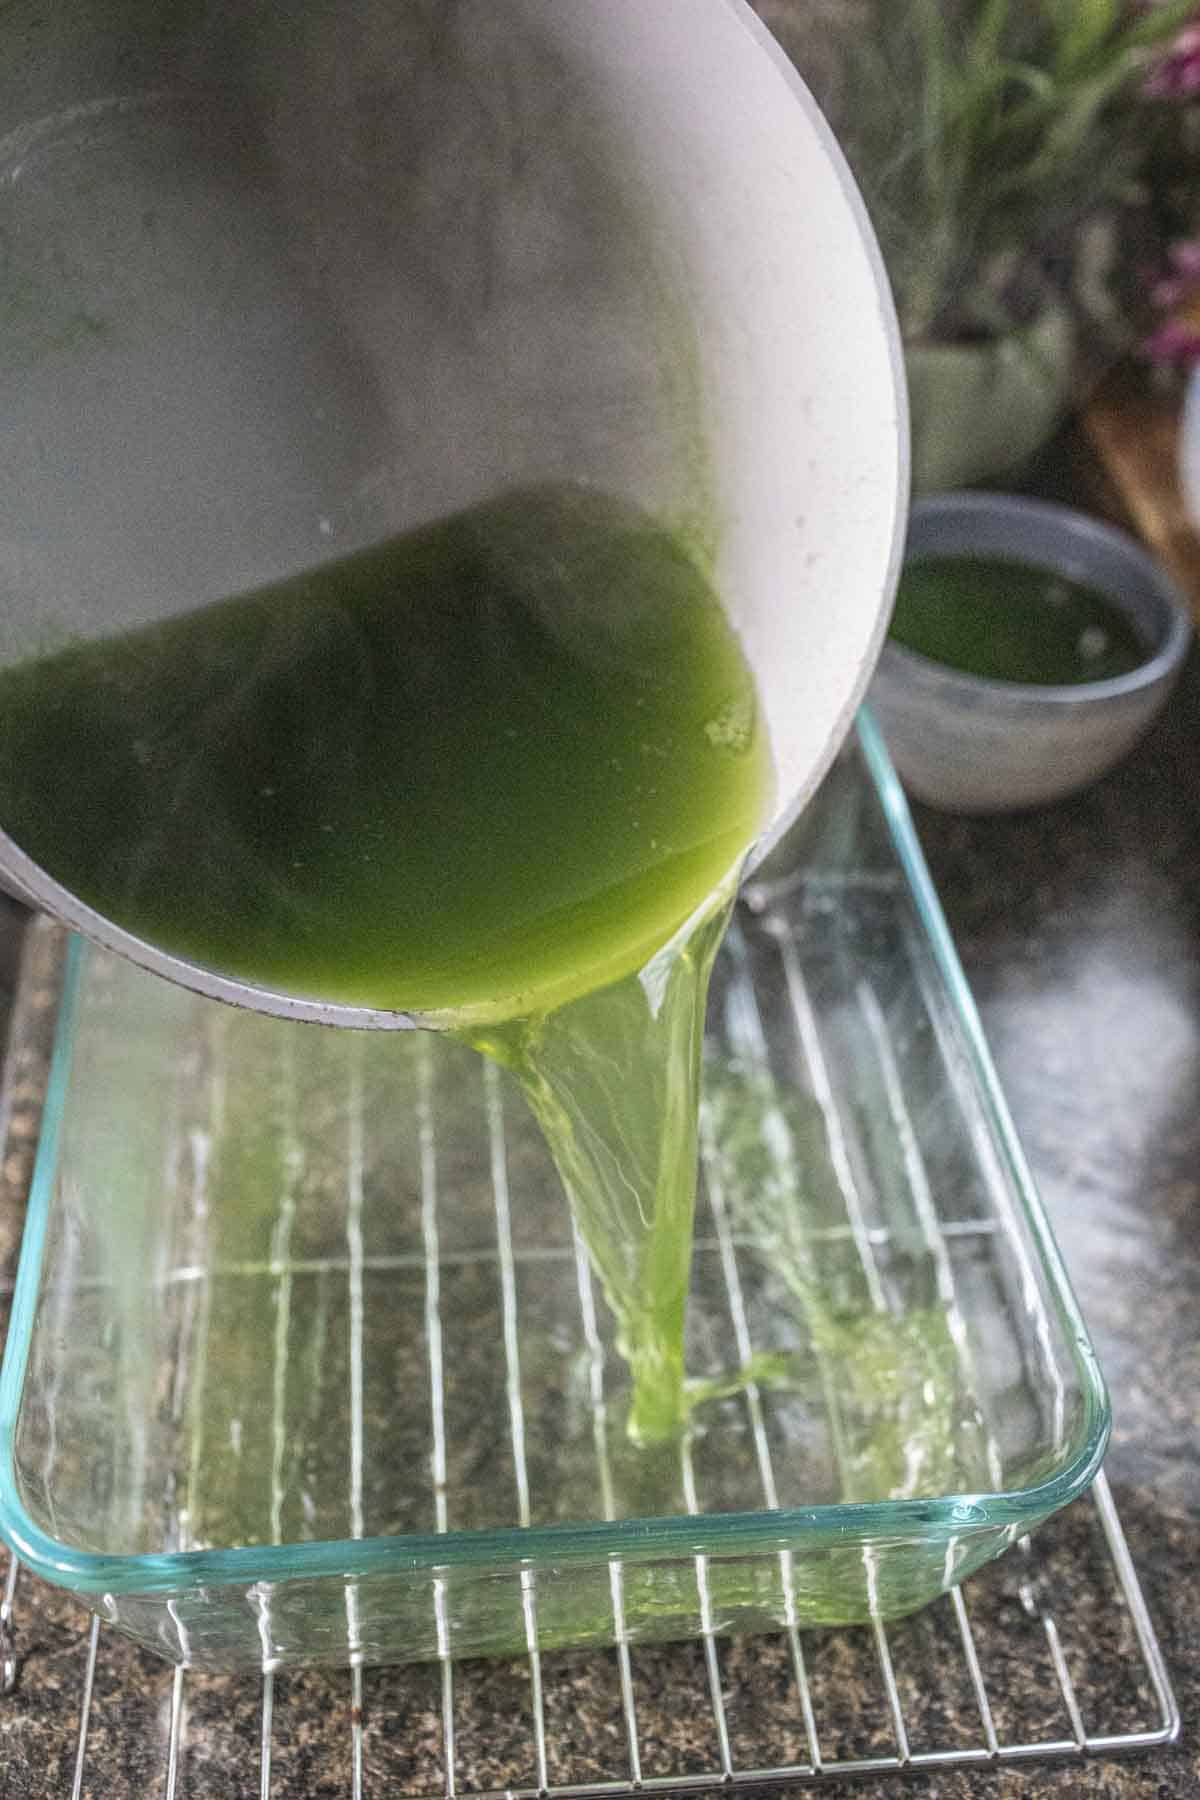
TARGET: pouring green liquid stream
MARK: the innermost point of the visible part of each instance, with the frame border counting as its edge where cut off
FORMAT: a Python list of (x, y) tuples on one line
[(499, 773)]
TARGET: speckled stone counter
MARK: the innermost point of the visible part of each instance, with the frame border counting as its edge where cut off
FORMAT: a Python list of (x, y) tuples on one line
[(1080, 928)]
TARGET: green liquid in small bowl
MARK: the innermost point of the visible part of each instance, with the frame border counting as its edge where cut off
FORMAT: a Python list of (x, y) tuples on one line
[(1012, 621)]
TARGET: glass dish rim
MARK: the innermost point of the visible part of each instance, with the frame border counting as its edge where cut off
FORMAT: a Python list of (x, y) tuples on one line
[(738, 1534)]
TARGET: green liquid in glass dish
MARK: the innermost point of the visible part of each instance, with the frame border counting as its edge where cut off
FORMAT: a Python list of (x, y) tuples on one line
[(1012, 621), (498, 773)]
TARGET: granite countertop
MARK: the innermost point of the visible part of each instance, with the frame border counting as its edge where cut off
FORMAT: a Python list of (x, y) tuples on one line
[(1080, 929)]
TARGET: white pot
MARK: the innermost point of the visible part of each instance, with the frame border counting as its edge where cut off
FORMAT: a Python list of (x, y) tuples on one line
[(980, 411), (613, 243)]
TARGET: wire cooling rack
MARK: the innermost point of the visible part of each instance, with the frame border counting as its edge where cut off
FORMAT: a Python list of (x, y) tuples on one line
[(1020, 1629), (1049, 1654)]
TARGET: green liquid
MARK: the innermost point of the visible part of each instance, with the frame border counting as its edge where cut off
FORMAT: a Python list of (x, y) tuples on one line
[(482, 774), (614, 1082), (902, 1417), (1010, 621)]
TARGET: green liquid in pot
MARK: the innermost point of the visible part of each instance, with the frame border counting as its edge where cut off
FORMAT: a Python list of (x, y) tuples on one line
[(1010, 621), (482, 773)]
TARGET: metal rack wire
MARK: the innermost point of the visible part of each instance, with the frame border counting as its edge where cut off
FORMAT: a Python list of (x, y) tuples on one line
[(898, 1745), (992, 1749)]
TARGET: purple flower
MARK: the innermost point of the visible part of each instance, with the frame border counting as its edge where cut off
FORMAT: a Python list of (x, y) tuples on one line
[(1177, 76), (1182, 279), (1175, 345)]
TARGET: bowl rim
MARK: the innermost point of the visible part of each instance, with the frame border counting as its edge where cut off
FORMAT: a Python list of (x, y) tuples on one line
[(1083, 530)]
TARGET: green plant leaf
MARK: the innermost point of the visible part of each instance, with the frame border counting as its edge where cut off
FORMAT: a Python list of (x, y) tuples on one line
[(1061, 134), (1038, 84), (1158, 25), (1086, 25), (979, 127), (987, 40), (937, 83), (1068, 133)]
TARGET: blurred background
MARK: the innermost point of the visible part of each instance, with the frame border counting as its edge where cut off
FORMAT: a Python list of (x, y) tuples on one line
[(1032, 168)]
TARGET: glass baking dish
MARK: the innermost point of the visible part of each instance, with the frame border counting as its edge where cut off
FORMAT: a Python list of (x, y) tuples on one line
[(306, 1364)]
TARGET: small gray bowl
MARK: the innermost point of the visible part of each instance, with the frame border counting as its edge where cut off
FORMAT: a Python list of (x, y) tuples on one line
[(974, 745)]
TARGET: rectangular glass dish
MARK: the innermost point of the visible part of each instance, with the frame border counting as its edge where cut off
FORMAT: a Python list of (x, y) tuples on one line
[(306, 1363)]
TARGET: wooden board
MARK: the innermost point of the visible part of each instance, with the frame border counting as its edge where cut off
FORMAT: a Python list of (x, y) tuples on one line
[(1134, 431)]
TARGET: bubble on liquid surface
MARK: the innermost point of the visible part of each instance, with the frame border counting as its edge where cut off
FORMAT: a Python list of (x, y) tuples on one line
[(733, 727)]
